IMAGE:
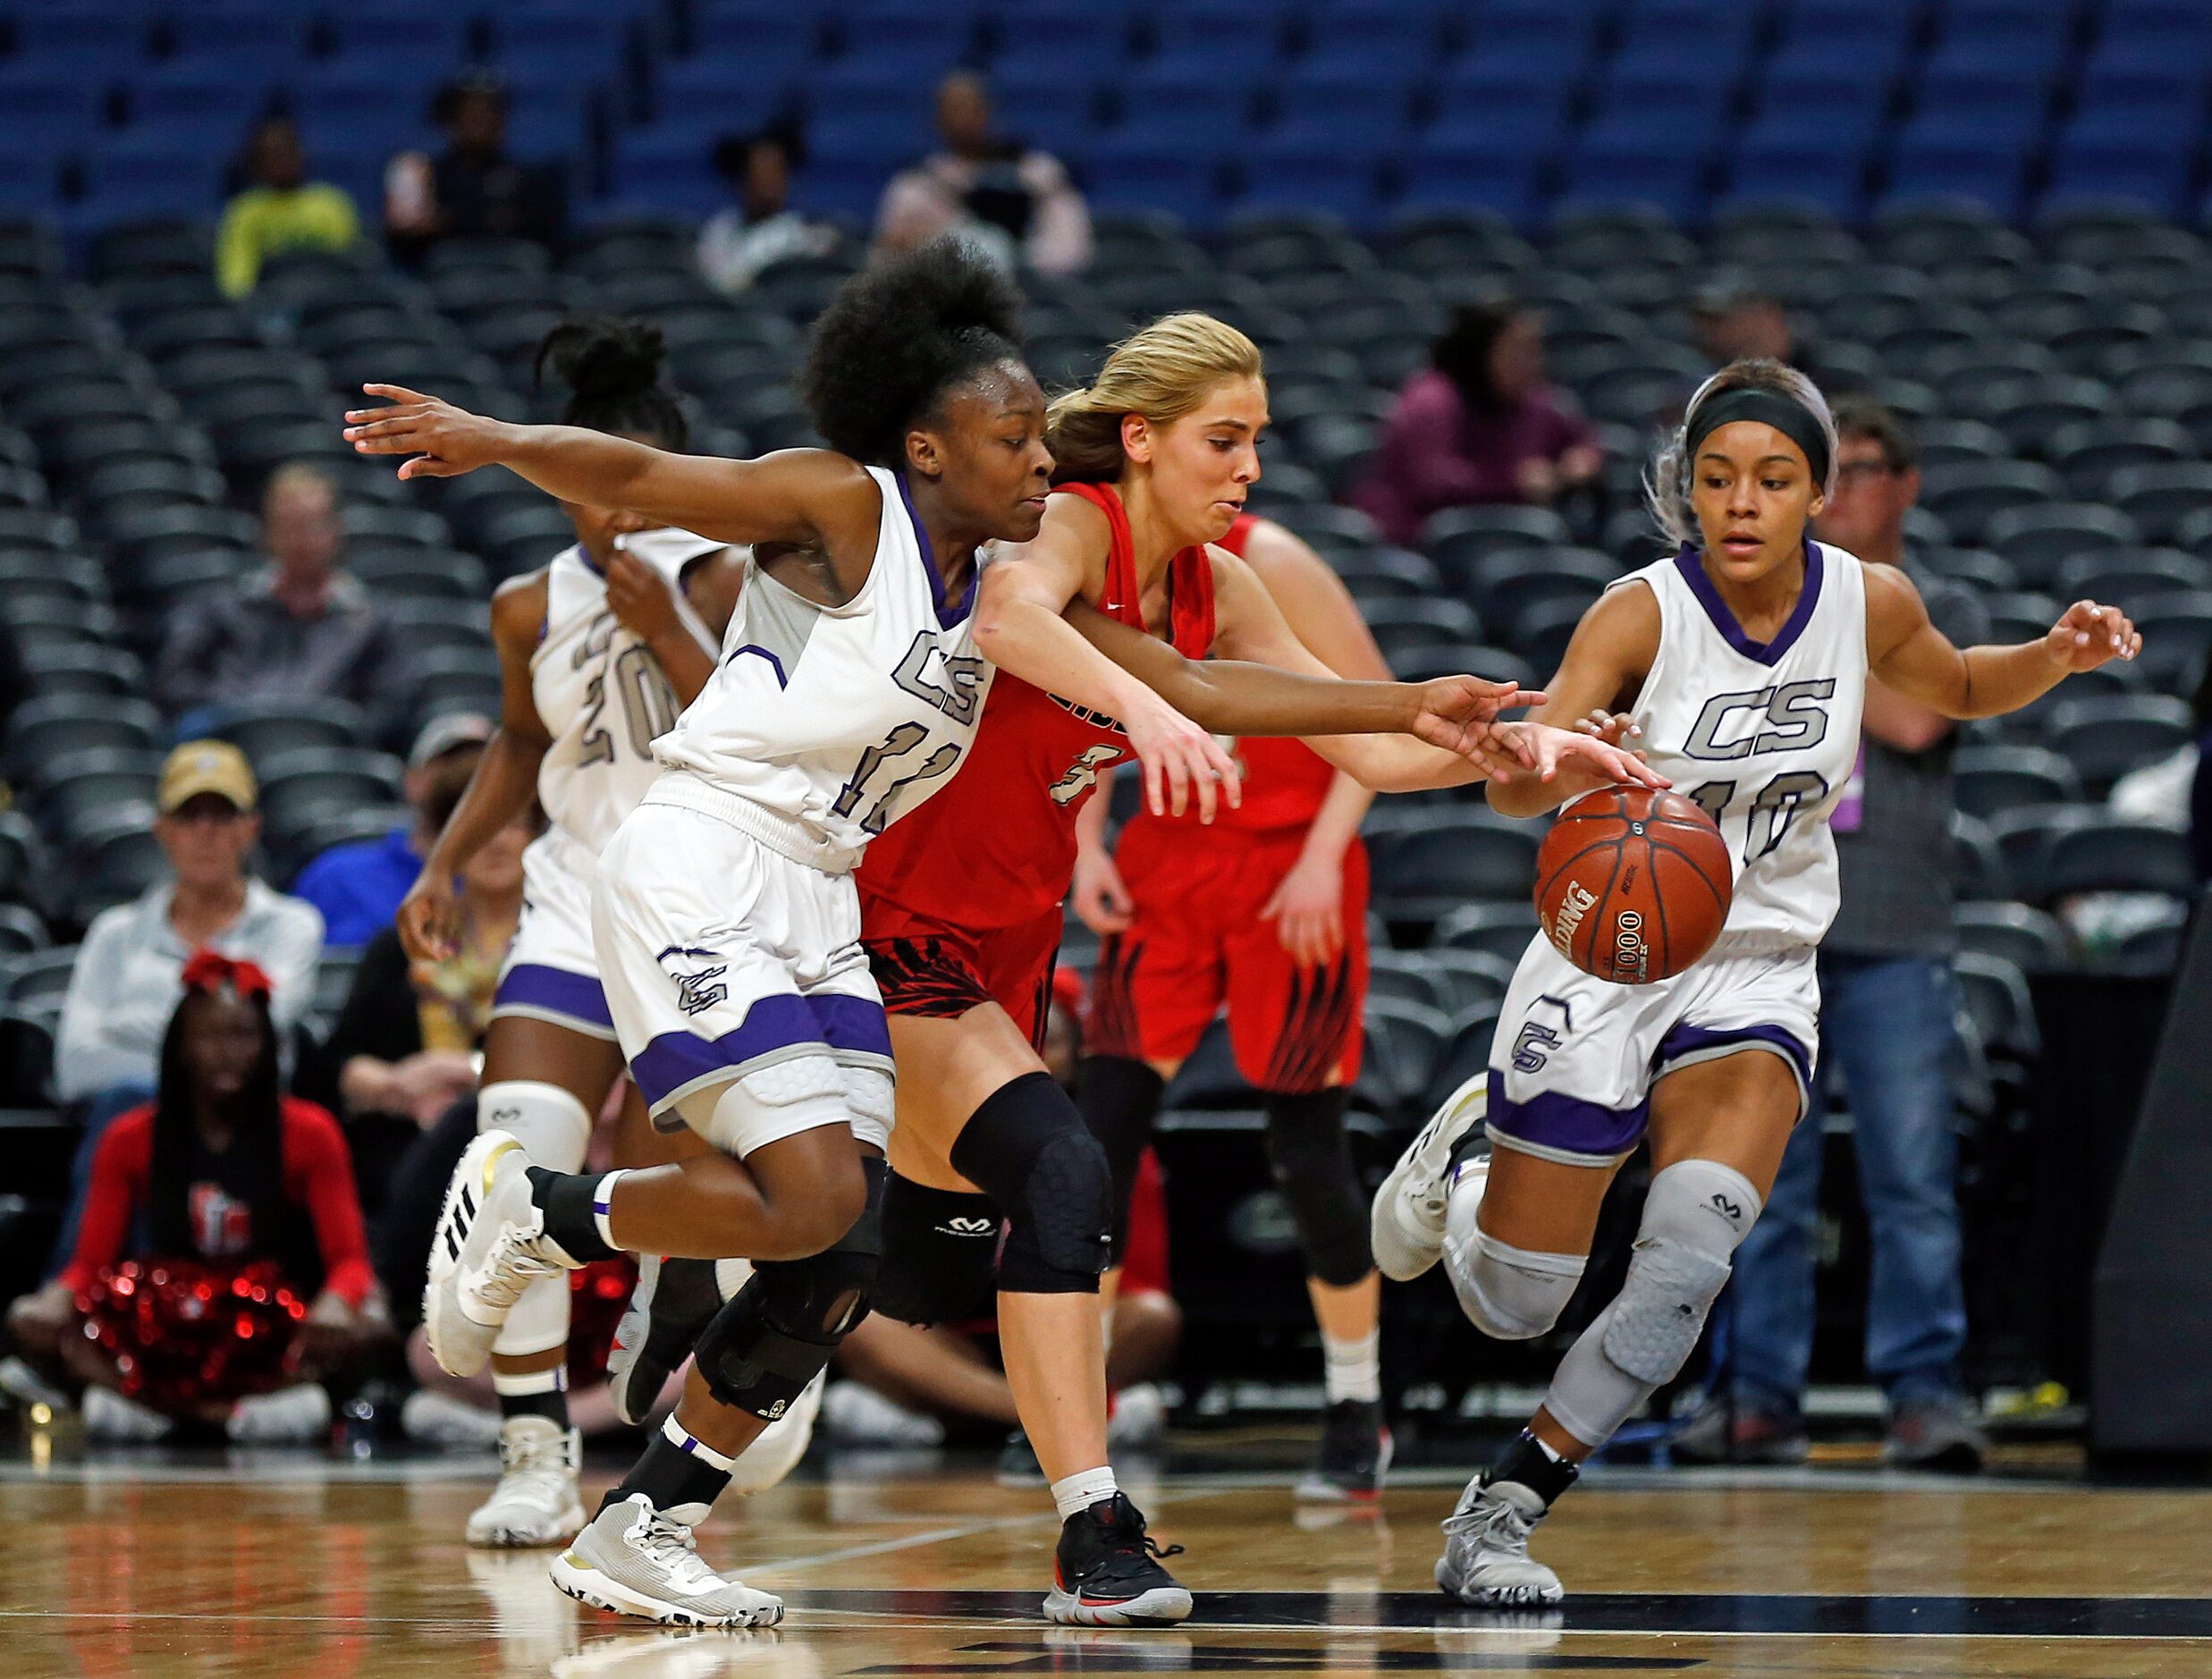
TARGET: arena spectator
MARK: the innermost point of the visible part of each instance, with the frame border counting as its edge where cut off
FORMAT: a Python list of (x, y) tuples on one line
[(358, 887), (1737, 320), (279, 209), (1479, 428), (404, 1049), (222, 1174), (761, 229), (474, 189), (302, 629), (1887, 1009), (1013, 201)]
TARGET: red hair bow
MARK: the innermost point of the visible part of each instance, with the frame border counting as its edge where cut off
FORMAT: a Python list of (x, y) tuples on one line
[(211, 971)]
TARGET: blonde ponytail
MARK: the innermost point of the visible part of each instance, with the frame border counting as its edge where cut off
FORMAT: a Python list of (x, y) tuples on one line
[(1163, 371)]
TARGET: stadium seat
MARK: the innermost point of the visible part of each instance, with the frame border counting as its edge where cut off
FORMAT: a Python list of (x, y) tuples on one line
[(1501, 930), (1427, 862), (2031, 939), (1992, 778), (2035, 538), (1994, 995), (2124, 576), (1967, 497), (1405, 628), (269, 731), (2157, 498), (2105, 737), (1406, 1042)]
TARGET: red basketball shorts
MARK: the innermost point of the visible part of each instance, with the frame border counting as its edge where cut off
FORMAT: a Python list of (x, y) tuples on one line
[(926, 967), (1198, 944)]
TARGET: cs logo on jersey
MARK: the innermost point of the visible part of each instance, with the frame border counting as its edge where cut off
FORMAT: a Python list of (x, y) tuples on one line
[(1533, 1048), (695, 991)]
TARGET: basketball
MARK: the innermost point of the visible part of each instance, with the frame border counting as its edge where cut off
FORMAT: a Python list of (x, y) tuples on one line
[(1633, 885)]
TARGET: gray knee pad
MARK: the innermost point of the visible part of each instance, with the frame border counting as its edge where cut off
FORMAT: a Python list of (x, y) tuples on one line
[(1027, 1149), (764, 1347), (1311, 1161), (940, 1253), (1696, 1213), (1510, 1293)]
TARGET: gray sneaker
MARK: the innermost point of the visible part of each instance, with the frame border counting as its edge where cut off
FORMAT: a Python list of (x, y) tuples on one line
[(536, 1501), (673, 1301), (1486, 1560), (1936, 1434), (491, 1245), (633, 1559)]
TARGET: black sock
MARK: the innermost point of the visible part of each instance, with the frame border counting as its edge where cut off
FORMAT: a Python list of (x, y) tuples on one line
[(552, 1405), (670, 1478), (1530, 1463), (570, 1202), (1119, 1099)]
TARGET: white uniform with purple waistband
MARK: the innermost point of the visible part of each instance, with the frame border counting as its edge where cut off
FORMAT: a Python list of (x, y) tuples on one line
[(1764, 736), (724, 914), (603, 698)]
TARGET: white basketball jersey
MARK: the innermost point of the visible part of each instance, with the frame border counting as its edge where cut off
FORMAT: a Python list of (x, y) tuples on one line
[(1764, 736), (601, 692), (832, 721)]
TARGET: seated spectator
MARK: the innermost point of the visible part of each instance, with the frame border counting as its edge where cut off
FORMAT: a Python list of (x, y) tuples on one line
[(1479, 427), (358, 887), (123, 988), (1014, 202), (475, 190), (761, 229), (301, 630), (280, 209), (1738, 321), (404, 1047), (219, 1180)]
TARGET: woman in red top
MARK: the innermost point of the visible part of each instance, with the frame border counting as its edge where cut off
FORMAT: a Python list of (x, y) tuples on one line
[(247, 1193), (960, 902)]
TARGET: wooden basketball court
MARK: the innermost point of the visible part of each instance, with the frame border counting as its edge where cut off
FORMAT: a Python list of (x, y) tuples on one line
[(158, 1564)]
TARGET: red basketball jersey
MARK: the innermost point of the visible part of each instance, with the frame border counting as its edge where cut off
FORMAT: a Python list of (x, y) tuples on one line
[(997, 847), (1285, 779)]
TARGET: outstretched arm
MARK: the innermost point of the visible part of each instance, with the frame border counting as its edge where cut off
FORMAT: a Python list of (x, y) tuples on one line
[(1602, 673), (803, 497), (1908, 653)]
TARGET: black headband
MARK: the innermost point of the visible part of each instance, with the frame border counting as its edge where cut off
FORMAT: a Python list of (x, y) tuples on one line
[(1785, 414)]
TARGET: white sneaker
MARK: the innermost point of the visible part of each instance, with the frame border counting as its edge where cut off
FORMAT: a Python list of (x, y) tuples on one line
[(536, 1501), (491, 1245), (429, 1418), (1140, 1415), (633, 1559), (109, 1416), (28, 1390), (1486, 1560), (856, 1414), (776, 1450), (1407, 1223), (291, 1416)]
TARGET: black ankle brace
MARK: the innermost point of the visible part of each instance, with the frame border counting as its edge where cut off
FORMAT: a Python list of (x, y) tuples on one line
[(570, 1202), (1527, 1463)]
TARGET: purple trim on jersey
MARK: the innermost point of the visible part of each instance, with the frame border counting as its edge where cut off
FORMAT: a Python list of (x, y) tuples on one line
[(676, 1060), (534, 986), (1688, 1040), (1769, 653), (782, 678), (1551, 1120), (946, 617)]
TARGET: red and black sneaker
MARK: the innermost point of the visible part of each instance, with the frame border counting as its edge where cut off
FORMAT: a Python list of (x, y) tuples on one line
[(1355, 1456), (1106, 1571)]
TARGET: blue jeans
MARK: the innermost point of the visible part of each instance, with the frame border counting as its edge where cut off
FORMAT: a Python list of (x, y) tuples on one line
[(1888, 1022), (107, 1106)]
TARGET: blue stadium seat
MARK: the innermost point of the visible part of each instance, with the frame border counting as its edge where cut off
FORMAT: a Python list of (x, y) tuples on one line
[(47, 115), (109, 31), (1340, 184), (235, 87), (1072, 30), (1713, 68), (426, 28), (1163, 89), (2121, 81), (879, 89), (1376, 105), (1245, 32), (1789, 166), (1377, 38), (1937, 160), (2027, 26), (2113, 158), (1138, 167), (1684, 114), (1548, 46), (1483, 85), (753, 82), (923, 59), (1056, 112), (1968, 84), (256, 28), (737, 41), (932, 37)]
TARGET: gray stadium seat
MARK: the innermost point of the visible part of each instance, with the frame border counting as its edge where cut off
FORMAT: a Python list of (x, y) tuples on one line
[(2105, 737), (1994, 778), (2033, 940), (1501, 928), (1428, 862), (1993, 994)]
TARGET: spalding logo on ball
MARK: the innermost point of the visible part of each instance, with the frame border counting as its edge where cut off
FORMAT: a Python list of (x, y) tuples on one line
[(1633, 885)]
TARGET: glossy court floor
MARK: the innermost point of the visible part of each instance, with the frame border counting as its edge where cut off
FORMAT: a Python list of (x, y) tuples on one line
[(301, 1565)]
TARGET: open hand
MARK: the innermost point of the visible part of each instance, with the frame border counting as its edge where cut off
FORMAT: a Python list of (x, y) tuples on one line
[(1178, 757), (1307, 909), (2089, 635), (1460, 714), (1615, 729), (1549, 751), (1101, 898), (443, 441)]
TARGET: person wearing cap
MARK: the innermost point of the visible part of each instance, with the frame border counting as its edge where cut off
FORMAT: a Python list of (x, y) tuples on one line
[(358, 886), (123, 988), (303, 630)]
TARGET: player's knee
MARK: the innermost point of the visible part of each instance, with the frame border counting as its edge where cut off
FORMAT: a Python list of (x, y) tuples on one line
[(765, 1345), (551, 1124), (941, 1252), (1696, 1213), (1312, 1162), (1512, 1294), (1028, 1150)]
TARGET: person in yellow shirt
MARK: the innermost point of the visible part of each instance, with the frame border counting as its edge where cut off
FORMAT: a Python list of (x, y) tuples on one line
[(282, 210)]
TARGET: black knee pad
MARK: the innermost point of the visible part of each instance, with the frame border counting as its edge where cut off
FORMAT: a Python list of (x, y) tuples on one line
[(776, 1334), (1027, 1149), (1119, 1099), (940, 1253), (1312, 1160)]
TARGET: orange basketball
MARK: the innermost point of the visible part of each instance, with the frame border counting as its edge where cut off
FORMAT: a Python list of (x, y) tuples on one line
[(1633, 885)]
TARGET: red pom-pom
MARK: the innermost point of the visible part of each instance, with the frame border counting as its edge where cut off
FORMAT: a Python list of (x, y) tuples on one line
[(173, 1349)]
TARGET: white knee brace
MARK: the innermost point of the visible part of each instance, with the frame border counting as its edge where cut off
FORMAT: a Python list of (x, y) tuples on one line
[(554, 1130), (1697, 1212), (1508, 1291), (767, 1102), (874, 1103)]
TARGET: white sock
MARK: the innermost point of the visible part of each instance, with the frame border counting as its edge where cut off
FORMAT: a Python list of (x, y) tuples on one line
[(1353, 1369), (684, 1440), (552, 1381), (602, 1198), (1083, 1488)]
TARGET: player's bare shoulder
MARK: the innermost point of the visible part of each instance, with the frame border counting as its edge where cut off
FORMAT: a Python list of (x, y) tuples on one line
[(518, 608)]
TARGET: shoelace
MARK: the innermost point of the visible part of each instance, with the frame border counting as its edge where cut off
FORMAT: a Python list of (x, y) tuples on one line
[(512, 1268), (1498, 1519), (675, 1547), (1142, 1544), (536, 1465)]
